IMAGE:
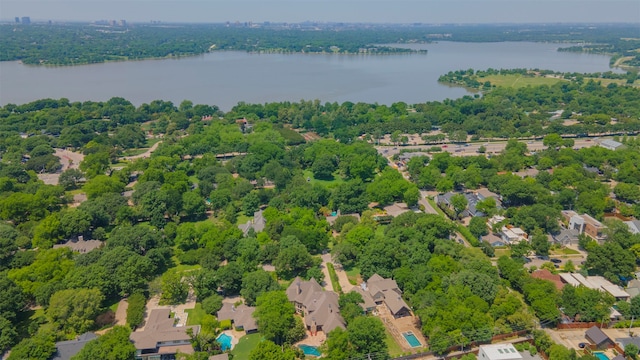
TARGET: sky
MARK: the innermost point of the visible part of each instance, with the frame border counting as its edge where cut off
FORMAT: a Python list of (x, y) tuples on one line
[(376, 11)]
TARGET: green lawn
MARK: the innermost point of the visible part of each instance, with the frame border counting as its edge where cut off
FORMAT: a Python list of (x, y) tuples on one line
[(353, 274), (501, 252), (134, 152), (245, 345), (436, 208), (518, 81), (392, 345), (329, 183), (565, 251), (195, 315)]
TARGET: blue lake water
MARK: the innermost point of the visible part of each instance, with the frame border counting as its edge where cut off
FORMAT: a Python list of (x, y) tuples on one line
[(226, 78)]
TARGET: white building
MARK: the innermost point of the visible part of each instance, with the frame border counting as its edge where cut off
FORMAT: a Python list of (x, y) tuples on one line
[(498, 352), (611, 145), (513, 235)]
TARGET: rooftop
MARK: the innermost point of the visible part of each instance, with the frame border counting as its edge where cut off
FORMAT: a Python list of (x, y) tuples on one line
[(66, 349), (500, 351)]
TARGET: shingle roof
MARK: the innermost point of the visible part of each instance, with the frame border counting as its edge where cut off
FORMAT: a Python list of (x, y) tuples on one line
[(159, 328), (242, 316), (596, 335), (66, 349)]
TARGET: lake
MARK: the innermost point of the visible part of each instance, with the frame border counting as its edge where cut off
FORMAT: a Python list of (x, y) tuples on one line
[(225, 78)]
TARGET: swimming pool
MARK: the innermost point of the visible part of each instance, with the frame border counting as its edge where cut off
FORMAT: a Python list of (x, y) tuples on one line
[(225, 341), (310, 350), (601, 356), (411, 339)]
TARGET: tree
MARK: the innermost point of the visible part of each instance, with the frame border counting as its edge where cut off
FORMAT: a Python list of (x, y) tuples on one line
[(114, 345), (478, 226), (255, 283), (102, 184), (274, 315), (74, 310), (540, 242), (193, 205), (212, 304), (293, 257), (268, 350), (631, 350), (459, 202), (367, 336), (323, 167), (8, 334), (552, 141), (70, 179), (38, 347), (411, 196), (174, 288), (337, 344), (135, 309)]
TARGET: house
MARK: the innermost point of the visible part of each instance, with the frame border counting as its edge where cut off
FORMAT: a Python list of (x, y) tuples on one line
[(331, 219), (634, 226), (498, 352), (160, 339), (258, 223), (241, 317), (584, 224), (368, 305), (545, 274), (444, 201), (529, 172), (80, 245), (319, 308), (566, 237), (513, 235), (378, 290), (633, 288), (628, 340), (595, 283), (597, 337), (396, 209), (65, 350), (484, 193), (611, 144)]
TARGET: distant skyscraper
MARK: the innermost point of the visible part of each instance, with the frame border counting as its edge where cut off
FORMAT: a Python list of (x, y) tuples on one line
[(17, 20), (122, 22), (26, 20)]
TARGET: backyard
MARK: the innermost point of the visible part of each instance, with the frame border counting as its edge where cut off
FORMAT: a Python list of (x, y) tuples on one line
[(245, 345)]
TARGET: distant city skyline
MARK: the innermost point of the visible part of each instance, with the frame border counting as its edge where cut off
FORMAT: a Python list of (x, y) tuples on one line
[(369, 11)]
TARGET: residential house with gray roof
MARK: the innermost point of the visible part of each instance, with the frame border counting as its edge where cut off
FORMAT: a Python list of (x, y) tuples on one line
[(319, 308), (160, 339)]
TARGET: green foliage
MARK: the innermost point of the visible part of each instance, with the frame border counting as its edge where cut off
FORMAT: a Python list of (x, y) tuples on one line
[(135, 309), (267, 350), (74, 311), (255, 284), (174, 288), (102, 184), (334, 278), (274, 314), (212, 304), (115, 344), (38, 347)]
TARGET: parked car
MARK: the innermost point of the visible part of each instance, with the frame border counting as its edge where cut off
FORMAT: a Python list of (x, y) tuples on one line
[(542, 257), (556, 261), (526, 259)]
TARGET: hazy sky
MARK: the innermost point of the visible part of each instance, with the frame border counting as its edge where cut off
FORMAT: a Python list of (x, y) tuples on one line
[(380, 11)]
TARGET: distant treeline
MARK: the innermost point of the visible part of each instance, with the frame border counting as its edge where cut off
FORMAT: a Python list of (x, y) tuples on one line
[(84, 43)]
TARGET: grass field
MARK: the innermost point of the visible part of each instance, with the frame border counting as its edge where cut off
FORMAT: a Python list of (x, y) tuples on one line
[(245, 345), (392, 345), (501, 252), (329, 183), (134, 152), (565, 251), (195, 315), (518, 81), (354, 275)]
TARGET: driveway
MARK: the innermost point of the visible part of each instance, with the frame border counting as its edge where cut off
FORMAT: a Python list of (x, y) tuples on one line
[(343, 279), (145, 154), (428, 209)]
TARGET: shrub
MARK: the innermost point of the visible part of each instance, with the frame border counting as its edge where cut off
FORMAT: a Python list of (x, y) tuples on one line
[(212, 304), (135, 310), (225, 324)]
